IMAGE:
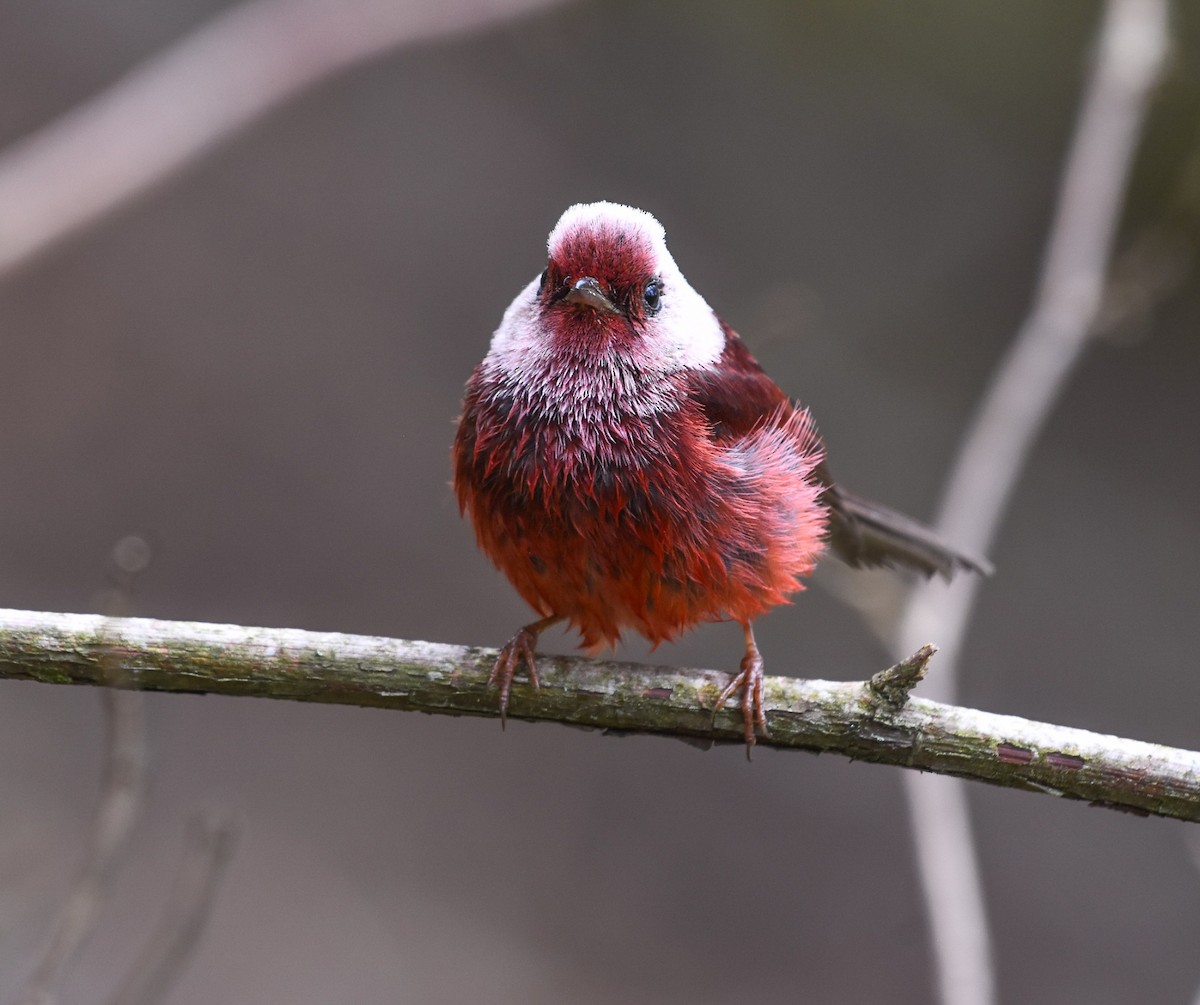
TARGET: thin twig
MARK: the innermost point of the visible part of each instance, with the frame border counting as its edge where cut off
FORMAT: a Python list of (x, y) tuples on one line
[(120, 792), (1131, 49), (195, 94), (120, 800), (1030, 379), (893, 686), (844, 718), (207, 854)]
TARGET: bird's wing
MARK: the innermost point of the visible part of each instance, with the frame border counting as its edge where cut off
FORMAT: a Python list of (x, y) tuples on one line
[(736, 395)]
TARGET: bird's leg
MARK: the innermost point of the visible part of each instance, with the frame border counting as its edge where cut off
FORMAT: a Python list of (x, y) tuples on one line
[(750, 680), (519, 647)]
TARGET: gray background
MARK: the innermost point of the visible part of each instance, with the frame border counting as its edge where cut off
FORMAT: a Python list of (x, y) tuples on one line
[(258, 367)]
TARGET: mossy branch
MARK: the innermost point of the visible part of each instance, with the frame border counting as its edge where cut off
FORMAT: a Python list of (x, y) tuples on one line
[(874, 720)]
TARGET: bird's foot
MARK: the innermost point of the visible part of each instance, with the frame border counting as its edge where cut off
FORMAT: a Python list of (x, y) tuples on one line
[(519, 647), (750, 681)]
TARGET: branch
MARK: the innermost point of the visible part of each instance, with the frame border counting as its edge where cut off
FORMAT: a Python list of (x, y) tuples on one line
[(1130, 53), (108, 838), (210, 845), (183, 101), (120, 795), (869, 721)]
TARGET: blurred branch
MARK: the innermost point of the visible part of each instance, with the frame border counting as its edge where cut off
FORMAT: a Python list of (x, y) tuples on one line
[(195, 94), (120, 792), (871, 721), (1131, 49), (1156, 263), (210, 843), (1130, 52), (207, 855), (116, 812)]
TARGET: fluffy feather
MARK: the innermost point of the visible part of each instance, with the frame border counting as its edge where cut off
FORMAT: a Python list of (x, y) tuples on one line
[(627, 463)]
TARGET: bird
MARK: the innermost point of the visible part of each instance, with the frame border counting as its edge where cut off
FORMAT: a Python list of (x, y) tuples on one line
[(628, 465)]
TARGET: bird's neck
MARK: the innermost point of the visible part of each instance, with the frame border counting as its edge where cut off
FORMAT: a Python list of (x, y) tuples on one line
[(587, 391)]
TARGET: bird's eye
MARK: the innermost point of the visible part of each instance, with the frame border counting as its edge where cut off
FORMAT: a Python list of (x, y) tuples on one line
[(652, 296), (542, 281)]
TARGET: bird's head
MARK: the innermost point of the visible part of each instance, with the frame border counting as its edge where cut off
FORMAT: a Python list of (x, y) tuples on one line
[(610, 294)]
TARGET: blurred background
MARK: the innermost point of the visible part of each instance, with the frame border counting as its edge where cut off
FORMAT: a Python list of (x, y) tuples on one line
[(257, 367)]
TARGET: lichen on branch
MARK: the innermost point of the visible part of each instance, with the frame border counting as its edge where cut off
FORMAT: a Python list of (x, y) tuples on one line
[(872, 720)]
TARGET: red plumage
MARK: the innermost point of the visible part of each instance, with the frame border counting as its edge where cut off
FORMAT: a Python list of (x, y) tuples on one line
[(653, 523), (627, 463)]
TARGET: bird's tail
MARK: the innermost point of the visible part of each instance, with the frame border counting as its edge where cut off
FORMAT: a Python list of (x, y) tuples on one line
[(864, 533)]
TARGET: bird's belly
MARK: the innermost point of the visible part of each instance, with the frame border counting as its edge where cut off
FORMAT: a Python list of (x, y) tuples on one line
[(622, 552), (655, 529)]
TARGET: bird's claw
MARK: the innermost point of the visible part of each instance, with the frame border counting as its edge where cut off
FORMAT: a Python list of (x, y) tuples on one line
[(518, 648), (750, 681)]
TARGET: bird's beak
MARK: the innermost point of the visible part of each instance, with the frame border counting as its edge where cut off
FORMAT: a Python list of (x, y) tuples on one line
[(587, 292)]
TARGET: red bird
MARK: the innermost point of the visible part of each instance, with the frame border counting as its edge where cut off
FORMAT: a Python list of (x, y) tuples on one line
[(628, 464)]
